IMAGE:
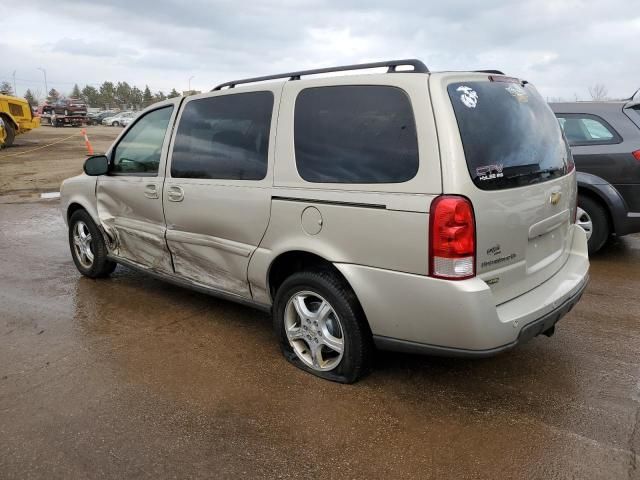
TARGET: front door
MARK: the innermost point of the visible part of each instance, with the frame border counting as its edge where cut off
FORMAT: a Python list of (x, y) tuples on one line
[(129, 198), (217, 193)]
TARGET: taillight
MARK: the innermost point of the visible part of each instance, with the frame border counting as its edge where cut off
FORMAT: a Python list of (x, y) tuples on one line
[(452, 238), (636, 155)]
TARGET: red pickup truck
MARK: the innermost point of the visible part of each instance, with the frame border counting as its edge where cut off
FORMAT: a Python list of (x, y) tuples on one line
[(65, 111)]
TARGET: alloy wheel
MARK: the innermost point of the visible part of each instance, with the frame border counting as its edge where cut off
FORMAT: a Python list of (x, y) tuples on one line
[(584, 220), (82, 244), (314, 331)]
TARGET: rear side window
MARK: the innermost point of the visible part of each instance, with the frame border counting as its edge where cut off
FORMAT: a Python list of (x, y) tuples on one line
[(224, 137), (510, 136), (355, 134), (586, 129)]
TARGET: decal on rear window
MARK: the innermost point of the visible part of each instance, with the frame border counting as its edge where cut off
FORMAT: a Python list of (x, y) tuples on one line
[(518, 93), (469, 96), (490, 172)]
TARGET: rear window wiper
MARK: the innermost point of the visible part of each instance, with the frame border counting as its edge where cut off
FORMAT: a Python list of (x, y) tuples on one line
[(542, 171)]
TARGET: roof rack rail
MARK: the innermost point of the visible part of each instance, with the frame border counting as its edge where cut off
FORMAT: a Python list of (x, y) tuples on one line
[(496, 72), (418, 67)]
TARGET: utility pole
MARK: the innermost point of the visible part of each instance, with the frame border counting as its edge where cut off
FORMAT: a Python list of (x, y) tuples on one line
[(15, 90), (190, 78), (46, 88)]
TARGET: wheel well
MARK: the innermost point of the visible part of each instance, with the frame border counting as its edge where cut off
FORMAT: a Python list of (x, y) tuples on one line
[(8, 119), (73, 208), (286, 264), (585, 192)]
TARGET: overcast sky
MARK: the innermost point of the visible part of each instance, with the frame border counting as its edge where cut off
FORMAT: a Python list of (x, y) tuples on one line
[(562, 46)]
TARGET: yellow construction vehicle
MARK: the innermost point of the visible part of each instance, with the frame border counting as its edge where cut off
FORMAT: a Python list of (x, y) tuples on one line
[(16, 117)]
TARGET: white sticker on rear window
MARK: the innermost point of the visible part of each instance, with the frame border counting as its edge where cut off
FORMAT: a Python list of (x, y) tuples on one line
[(518, 92), (490, 172), (469, 96)]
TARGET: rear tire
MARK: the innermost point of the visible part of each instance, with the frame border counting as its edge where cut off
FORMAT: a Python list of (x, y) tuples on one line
[(115, 124), (88, 248), (341, 335), (594, 214), (10, 134)]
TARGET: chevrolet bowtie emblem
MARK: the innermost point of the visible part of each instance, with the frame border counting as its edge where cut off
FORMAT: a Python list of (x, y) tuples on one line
[(555, 198)]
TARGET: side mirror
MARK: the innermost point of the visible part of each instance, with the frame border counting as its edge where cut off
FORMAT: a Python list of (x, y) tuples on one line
[(96, 165)]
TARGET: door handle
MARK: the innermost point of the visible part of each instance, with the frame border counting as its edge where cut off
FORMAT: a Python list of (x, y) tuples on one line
[(175, 193), (151, 190)]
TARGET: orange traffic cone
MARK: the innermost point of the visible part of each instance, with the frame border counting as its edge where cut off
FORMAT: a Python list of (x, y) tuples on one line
[(87, 142)]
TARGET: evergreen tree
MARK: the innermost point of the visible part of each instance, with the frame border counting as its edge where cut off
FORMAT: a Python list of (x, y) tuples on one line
[(75, 93), (147, 98), (90, 96), (123, 94), (173, 93), (30, 97), (53, 96), (6, 88), (160, 96), (107, 94), (136, 97)]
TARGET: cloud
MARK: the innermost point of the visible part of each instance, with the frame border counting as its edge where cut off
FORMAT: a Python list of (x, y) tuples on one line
[(562, 47), (78, 46)]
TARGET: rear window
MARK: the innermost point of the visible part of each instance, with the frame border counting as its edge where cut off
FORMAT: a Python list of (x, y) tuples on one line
[(355, 134), (510, 136), (634, 114)]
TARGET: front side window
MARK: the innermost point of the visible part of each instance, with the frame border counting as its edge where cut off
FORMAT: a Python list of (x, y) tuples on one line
[(225, 137), (355, 134), (584, 129), (139, 150)]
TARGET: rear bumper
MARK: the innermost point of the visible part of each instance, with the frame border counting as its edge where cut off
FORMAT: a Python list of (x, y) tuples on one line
[(415, 313), (543, 324)]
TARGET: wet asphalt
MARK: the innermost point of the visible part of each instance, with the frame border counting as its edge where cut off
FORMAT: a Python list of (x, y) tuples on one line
[(131, 377)]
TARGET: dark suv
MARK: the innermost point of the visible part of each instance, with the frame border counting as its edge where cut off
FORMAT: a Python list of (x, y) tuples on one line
[(605, 141)]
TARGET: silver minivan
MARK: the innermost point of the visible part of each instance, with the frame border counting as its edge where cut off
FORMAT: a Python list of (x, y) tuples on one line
[(427, 212)]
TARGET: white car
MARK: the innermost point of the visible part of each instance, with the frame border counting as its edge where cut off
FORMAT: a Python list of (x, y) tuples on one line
[(117, 120), (127, 120)]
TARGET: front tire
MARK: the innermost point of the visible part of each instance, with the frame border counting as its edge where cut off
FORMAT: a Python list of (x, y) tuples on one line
[(592, 217), (115, 124), (321, 326), (10, 134), (88, 248)]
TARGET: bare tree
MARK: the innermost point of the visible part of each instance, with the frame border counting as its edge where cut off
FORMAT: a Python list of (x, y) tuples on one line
[(6, 88), (598, 92)]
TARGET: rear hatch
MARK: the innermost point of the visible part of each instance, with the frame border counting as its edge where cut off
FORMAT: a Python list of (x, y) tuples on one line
[(522, 182)]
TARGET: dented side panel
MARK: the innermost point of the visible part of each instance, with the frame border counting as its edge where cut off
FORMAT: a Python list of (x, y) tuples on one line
[(130, 208), (134, 223)]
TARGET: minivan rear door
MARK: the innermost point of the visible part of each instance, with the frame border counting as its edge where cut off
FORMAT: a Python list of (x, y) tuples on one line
[(503, 149)]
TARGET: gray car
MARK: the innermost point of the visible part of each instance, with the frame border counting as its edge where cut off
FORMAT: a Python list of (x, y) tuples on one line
[(605, 141), (427, 212)]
